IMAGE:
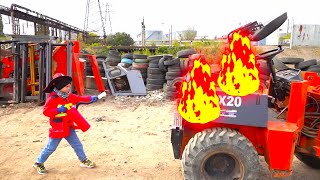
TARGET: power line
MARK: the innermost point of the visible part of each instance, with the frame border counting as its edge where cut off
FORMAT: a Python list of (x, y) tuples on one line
[(95, 18)]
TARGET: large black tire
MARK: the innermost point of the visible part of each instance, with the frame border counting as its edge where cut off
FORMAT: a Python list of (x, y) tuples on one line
[(311, 161), (306, 64), (156, 76), (139, 56), (291, 60), (151, 87), (109, 59), (186, 53), (155, 71), (172, 62), (220, 153), (161, 65), (156, 81), (153, 65), (141, 61), (156, 57), (154, 61), (128, 56), (173, 73), (174, 68)]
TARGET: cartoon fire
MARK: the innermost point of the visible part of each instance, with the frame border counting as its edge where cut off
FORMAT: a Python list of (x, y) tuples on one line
[(239, 75), (199, 102)]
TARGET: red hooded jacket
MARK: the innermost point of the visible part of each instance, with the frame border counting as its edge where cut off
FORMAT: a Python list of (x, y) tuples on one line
[(60, 122)]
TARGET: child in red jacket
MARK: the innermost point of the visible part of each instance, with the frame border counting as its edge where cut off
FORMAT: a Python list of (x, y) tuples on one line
[(56, 108)]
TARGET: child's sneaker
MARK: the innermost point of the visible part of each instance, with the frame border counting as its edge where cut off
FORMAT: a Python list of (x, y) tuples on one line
[(40, 168), (87, 163)]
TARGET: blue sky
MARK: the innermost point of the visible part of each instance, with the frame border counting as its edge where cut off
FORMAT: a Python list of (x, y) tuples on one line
[(208, 17)]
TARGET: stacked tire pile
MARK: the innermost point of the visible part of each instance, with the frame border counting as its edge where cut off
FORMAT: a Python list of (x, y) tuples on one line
[(156, 75), (175, 69), (126, 60), (113, 58), (311, 65), (141, 63)]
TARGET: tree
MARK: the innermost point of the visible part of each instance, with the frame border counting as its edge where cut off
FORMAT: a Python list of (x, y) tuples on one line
[(119, 39), (92, 38), (189, 34), (1, 26)]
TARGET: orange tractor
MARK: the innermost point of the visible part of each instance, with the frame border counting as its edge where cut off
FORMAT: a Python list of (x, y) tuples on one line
[(276, 122)]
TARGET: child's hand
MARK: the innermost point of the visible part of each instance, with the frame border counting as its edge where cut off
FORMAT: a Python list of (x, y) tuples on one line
[(94, 98), (62, 109)]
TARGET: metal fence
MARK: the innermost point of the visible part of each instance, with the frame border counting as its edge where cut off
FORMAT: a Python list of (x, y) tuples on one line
[(305, 35)]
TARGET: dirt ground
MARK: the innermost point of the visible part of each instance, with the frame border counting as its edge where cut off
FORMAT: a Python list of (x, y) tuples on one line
[(296, 52), (129, 138)]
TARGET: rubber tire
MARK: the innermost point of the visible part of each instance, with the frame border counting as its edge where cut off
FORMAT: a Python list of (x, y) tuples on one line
[(155, 61), (224, 140), (162, 66), (314, 70), (113, 60), (173, 73), (114, 73), (279, 65), (314, 67), (128, 56), (156, 57), (111, 63), (113, 53), (291, 60), (311, 161), (151, 87), (141, 61), (155, 71), (156, 76), (172, 95), (174, 68), (167, 88), (172, 62), (153, 65), (101, 57), (156, 81), (140, 65), (140, 56), (306, 64), (186, 53)]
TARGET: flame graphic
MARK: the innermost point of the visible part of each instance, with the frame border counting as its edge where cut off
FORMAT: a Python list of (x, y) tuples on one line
[(199, 102), (239, 75)]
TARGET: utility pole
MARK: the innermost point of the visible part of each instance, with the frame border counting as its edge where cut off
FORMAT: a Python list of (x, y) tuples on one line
[(171, 35), (291, 35), (143, 34)]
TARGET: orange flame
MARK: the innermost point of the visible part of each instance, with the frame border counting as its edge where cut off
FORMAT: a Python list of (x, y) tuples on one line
[(239, 75), (199, 102)]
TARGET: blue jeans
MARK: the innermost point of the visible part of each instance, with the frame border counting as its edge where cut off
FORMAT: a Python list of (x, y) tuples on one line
[(53, 143)]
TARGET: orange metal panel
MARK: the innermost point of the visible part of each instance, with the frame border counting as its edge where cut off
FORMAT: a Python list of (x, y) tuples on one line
[(280, 145), (297, 103), (96, 73)]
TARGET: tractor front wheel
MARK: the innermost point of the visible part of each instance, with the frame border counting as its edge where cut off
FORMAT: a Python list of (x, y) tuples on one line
[(220, 153), (311, 161)]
